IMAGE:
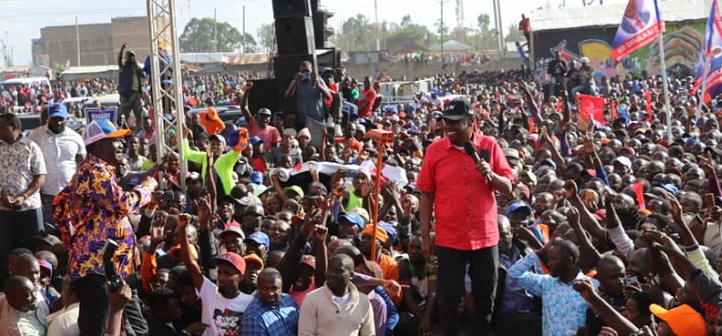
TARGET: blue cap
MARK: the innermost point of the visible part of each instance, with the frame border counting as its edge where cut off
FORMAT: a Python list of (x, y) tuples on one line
[(414, 129), (671, 188), (410, 109), (257, 177), (353, 218), (255, 140), (242, 122), (260, 238), (390, 229), (518, 205), (280, 114), (549, 162), (58, 110)]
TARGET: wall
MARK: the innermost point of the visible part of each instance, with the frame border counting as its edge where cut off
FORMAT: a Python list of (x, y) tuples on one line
[(398, 70), (682, 42)]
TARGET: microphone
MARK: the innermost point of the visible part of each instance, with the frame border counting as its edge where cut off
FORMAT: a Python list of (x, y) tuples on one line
[(471, 151)]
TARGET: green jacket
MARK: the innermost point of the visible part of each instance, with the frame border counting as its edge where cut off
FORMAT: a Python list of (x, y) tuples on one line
[(224, 165)]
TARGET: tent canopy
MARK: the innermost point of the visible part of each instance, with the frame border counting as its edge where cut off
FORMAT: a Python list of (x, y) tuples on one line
[(452, 46)]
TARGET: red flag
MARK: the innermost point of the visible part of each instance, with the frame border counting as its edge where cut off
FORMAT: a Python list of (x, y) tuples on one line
[(592, 107), (648, 98), (613, 108), (559, 107), (639, 191)]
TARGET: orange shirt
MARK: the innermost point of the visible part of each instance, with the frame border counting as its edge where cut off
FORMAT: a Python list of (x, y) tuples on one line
[(391, 272), (210, 120)]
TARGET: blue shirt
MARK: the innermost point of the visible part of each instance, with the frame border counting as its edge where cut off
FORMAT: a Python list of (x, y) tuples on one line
[(563, 309), (516, 299), (263, 320)]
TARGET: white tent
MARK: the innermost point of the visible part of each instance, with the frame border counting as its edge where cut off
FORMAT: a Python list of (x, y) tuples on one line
[(452, 46)]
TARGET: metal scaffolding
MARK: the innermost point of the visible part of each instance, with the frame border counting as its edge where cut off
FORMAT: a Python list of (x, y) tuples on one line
[(166, 80)]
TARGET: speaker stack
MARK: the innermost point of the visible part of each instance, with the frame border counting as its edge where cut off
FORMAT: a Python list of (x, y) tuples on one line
[(295, 40)]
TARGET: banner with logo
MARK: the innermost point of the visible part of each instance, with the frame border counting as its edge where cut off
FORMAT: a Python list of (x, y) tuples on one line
[(709, 68), (110, 113), (641, 24)]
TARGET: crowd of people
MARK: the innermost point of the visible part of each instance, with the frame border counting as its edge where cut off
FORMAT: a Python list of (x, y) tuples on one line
[(508, 213)]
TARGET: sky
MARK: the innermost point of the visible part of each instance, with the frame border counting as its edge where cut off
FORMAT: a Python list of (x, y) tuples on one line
[(22, 19)]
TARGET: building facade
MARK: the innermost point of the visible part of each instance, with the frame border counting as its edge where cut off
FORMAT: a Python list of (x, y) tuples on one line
[(99, 43)]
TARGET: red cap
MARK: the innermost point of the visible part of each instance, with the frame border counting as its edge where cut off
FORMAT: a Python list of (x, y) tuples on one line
[(309, 260), (235, 260)]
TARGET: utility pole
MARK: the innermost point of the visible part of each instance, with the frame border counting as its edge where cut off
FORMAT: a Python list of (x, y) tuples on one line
[(441, 30), (499, 27), (244, 29), (8, 61), (77, 39), (189, 11), (215, 31), (376, 15)]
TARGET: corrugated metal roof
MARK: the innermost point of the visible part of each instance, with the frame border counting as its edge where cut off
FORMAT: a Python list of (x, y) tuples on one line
[(611, 14)]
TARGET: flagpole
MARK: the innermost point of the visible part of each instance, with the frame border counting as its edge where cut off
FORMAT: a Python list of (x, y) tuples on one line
[(665, 84), (704, 86)]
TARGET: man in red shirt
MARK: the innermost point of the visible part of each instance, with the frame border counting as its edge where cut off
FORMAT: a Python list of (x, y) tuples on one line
[(461, 193), (259, 126), (366, 99), (525, 27)]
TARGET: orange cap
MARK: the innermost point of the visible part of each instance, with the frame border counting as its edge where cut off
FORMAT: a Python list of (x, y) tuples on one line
[(683, 320), (380, 232), (253, 258)]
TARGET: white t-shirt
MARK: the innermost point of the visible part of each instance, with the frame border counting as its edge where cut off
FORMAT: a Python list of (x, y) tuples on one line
[(223, 316)]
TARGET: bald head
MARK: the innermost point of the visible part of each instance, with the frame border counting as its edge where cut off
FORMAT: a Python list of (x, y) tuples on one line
[(344, 260)]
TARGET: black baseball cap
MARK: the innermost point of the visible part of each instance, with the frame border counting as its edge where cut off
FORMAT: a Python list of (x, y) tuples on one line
[(457, 110)]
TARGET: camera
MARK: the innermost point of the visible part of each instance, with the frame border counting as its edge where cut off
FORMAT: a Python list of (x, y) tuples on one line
[(116, 281)]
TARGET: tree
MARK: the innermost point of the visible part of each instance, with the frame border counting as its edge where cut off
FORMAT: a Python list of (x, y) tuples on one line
[(487, 36), (405, 21), (514, 34), (357, 34), (198, 36), (267, 38)]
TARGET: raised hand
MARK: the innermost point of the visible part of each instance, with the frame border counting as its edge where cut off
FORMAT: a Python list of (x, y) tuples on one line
[(203, 207)]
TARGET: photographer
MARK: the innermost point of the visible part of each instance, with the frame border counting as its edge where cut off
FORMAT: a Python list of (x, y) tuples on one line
[(310, 92)]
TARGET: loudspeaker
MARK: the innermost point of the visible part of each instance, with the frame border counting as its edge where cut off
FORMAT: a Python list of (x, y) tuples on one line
[(295, 36), (283, 9), (319, 28), (284, 68), (264, 94)]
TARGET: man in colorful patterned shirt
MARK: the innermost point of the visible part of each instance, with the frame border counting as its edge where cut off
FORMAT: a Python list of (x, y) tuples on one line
[(563, 309), (89, 211)]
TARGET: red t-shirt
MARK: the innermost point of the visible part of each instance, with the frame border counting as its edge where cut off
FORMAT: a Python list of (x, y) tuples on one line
[(465, 206), (270, 134), (366, 96), (259, 164)]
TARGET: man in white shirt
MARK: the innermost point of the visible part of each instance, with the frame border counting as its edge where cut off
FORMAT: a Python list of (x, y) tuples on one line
[(62, 150), (65, 321), (337, 309), (19, 315), (223, 304)]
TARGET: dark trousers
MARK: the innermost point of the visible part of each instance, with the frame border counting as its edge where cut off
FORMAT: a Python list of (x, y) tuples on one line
[(518, 324), (132, 103), (94, 305), (16, 229), (48, 207), (484, 275)]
